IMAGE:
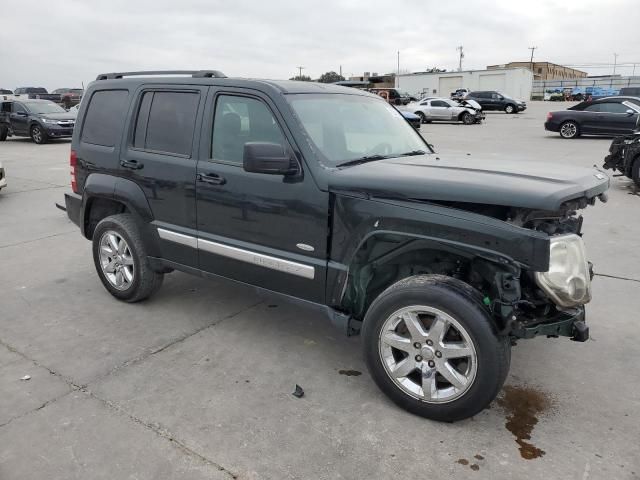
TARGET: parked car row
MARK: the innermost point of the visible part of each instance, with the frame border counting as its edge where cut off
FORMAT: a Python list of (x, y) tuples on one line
[(67, 97)]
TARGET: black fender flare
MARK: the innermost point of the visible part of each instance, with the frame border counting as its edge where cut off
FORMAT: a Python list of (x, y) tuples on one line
[(125, 192)]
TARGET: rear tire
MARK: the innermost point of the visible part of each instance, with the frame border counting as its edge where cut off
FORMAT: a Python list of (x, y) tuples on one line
[(123, 268), (408, 368), (38, 135), (569, 130), (4, 132)]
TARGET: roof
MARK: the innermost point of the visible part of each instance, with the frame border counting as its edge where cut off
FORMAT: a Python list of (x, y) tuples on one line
[(202, 78)]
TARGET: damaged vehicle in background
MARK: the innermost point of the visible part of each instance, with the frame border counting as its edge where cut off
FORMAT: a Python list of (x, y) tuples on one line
[(624, 155), (446, 110), (325, 195)]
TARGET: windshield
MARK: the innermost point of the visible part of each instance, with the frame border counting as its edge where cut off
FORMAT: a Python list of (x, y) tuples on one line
[(44, 107), (349, 127)]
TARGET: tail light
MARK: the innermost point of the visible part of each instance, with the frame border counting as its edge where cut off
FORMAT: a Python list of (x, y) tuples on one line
[(73, 164), (549, 116)]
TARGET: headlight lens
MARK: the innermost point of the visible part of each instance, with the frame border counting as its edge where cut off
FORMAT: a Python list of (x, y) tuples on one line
[(568, 281), (48, 120)]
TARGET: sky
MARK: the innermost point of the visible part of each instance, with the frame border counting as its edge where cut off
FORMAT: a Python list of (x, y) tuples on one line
[(68, 42)]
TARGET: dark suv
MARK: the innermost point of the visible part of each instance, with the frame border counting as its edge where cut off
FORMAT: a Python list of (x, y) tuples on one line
[(491, 100), (325, 195)]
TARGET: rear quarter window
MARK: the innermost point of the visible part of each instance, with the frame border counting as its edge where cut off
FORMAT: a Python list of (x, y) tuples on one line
[(105, 117)]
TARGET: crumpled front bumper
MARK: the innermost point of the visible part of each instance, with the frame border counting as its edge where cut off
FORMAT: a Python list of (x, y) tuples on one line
[(566, 323)]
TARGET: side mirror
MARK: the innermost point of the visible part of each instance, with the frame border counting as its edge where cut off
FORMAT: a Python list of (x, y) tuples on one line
[(269, 158), (630, 112)]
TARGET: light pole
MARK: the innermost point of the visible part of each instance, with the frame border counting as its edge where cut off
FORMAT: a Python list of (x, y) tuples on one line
[(533, 49), (615, 62)]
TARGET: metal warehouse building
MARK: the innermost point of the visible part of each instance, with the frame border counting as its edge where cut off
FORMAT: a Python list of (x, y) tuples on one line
[(515, 82)]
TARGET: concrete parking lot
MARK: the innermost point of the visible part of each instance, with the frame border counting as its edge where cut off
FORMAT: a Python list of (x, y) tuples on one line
[(196, 382)]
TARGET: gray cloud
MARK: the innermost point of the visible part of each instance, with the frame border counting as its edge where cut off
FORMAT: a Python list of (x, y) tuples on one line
[(64, 43)]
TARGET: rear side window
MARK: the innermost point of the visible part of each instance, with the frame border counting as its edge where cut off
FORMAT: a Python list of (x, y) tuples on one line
[(166, 122), (104, 118), (613, 108)]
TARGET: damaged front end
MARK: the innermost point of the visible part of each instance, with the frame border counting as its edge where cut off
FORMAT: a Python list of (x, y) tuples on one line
[(624, 155)]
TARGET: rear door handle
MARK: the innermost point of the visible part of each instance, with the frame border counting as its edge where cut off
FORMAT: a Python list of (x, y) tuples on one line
[(132, 164), (211, 178)]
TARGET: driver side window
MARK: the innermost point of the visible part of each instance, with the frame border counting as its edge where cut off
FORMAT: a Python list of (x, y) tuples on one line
[(18, 108), (238, 120)]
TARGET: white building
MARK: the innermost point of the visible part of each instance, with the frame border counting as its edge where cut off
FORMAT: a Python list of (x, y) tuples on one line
[(515, 82)]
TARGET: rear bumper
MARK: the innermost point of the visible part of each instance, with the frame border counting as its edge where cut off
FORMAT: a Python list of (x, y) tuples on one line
[(73, 202), (551, 126)]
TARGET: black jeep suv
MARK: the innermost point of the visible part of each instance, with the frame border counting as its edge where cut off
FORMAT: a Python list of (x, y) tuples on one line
[(326, 195)]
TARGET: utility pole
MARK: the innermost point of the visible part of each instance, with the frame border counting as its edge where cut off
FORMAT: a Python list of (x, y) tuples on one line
[(398, 74), (300, 72), (340, 70), (615, 62), (460, 57), (533, 49)]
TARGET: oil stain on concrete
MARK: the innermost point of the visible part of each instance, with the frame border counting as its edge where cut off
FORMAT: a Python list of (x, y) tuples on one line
[(523, 406)]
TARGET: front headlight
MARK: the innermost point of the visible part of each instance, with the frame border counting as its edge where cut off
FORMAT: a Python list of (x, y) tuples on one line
[(48, 120), (568, 281)]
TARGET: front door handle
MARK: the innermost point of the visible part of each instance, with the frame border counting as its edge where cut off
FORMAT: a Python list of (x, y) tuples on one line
[(211, 178), (132, 164)]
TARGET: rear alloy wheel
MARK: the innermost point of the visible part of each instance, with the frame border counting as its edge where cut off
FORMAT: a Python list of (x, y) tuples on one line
[(569, 129), (510, 109), (38, 135), (431, 347), (467, 118), (121, 261)]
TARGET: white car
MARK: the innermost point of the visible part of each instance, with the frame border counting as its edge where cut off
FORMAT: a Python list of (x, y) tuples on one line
[(3, 179), (445, 110), (74, 110)]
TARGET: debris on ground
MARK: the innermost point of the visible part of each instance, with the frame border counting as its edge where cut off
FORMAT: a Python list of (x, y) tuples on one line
[(26, 377), (298, 392)]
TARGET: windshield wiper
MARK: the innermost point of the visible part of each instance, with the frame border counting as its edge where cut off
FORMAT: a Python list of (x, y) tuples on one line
[(365, 159), (412, 153)]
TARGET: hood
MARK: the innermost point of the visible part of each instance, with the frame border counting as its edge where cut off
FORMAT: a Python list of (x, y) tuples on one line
[(471, 179), (57, 116)]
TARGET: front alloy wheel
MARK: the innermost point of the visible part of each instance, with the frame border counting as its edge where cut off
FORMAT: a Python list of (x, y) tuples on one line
[(432, 347), (509, 109), (38, 135), (428, 354)]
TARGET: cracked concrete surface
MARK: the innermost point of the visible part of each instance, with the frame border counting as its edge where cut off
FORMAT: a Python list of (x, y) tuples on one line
[(196, 383)]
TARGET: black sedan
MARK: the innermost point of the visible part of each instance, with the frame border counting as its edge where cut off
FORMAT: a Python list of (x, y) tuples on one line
[(606, 116)]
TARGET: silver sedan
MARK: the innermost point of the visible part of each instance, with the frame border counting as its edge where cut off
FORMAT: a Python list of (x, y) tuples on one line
[(445, 110)]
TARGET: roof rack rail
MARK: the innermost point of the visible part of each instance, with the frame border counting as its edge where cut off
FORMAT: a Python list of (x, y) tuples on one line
[(193, 73)]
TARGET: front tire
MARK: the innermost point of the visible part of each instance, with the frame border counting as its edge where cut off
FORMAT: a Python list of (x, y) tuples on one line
[(432, 348), (510, 108), (569, 130), (38, 135), (120, 258), (4, 132), (423, 118), (467, 118)]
